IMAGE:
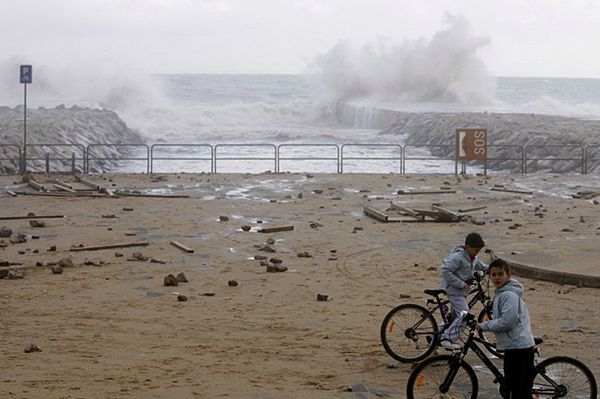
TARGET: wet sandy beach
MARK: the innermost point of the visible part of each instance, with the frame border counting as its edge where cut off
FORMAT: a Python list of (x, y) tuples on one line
[(110, 328)]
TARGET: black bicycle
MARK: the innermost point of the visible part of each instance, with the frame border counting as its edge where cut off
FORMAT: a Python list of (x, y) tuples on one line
[(450, 376), (410, 332)]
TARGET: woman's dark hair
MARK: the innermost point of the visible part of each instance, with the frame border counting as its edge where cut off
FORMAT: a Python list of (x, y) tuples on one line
[(500, 264)]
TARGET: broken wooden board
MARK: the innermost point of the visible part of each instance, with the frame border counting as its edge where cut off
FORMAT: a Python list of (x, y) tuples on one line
[(446, 214), (88, 183), (415, 192), (275, 229), (109, 246), (126, 194), (63, 188), (477, 208), (586, 194), (382, 217), (506, 190), (62, 194), (31, 217), (11, 193), (37, 186), (182, 247), (407, 211), (386, 218)]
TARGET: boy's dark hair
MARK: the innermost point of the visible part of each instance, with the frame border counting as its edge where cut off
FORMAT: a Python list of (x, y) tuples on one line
[(500, 264), (474, 240)]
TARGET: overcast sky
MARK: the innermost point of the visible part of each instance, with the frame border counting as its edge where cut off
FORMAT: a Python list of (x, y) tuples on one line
[(526, 37)]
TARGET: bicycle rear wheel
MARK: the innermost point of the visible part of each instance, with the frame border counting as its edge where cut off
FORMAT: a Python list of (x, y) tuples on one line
[(427, 378), (408, 333), (563, 377)]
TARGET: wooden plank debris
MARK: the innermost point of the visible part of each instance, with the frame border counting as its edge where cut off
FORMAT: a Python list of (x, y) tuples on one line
[(61, 183), (31, 217), (182, 247), (406, 210), (415, 192), (11, 193), (275, 229), (62, 194), (510, 191), (446, 215), (110, 246), (88, 183), (37, 186), (586, 194), (63, 188), (126, 194), (375, 214), (477, 208)]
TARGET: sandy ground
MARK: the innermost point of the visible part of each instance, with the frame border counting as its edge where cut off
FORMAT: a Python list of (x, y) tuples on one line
[(115, 331)]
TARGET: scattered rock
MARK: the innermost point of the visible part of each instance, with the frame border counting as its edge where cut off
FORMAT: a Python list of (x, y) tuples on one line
[(3, 273), (245, 227), (232, 283), (125, 209), (57, 270), (260, 257), (182, 278), (18, 238), (300, 195), (161, 262), (5, 231), (209, 294), (270, 241), (304, 255), (139, 257), (322, 297), (315, 225), (170, 281), (181, 298), (267, 248), (223, 219), (318, 191), (404, 296), (14, 275), (66, 262), (276, 268), (37, 223), (118, 254), (4, 263), (581, 220), (32, 348), (276, 261), (109, 216), (567, 230)]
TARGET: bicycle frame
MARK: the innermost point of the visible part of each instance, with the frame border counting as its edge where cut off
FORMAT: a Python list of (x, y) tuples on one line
[(480, 296), (471, 343)]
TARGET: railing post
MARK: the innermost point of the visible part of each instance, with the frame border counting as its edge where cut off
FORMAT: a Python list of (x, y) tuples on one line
[(47, 163), (73, 163)]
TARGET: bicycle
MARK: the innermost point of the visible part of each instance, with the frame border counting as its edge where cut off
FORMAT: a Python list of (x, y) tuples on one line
[(450, 376), (410, 333)]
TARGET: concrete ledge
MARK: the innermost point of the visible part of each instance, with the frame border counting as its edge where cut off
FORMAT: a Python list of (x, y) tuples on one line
[(580, 280)]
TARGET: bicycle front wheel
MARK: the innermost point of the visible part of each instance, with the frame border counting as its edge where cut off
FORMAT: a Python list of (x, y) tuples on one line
[(409, 333), (563, 377), (427, 379)]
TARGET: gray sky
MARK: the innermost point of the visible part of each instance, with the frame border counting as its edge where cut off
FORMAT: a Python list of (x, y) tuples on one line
[(526, 37)]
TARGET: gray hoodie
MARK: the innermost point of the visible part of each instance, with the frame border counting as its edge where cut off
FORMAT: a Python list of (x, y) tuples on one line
[(510, 323), (457, 268)]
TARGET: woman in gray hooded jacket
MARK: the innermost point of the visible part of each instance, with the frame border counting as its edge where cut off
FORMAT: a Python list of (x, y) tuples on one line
[(512, 327)]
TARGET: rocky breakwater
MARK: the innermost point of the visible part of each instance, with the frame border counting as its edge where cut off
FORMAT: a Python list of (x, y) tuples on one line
[(62, 125), (549, 137)]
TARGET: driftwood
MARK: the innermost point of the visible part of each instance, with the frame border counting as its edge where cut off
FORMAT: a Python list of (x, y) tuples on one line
[(126, 194), (109, 246), (182, 247), (63, 188), (61, 194), (11, 193), (275, 229), (88, 183), (511, 191), (408, 192), (31, 217), (477, 208), (586, 194), (37, 186)]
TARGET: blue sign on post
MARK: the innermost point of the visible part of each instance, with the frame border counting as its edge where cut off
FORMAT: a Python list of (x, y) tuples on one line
[(26, 74)]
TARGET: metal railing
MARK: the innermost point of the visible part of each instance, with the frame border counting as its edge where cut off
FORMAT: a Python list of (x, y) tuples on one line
[(446, 148), (585, 157), (590, 158), (45, 152), (17, 161), (91, 147), (398, 158), (252, 158), (550, 159), (156, 147), (305, 158)]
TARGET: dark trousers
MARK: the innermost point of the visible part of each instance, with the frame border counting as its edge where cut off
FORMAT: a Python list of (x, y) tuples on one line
[(518, 372)]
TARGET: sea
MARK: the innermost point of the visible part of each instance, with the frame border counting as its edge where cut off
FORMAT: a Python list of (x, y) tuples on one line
[(297, 112)]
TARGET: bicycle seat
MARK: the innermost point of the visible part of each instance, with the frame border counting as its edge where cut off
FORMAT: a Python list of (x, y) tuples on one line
[(538, 340), (434, 292)]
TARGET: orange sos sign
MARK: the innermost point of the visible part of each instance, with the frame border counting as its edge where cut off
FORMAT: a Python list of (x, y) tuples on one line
[(471, 144)]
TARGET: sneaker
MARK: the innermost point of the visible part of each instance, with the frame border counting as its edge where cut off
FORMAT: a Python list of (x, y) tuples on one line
[(446, 343)]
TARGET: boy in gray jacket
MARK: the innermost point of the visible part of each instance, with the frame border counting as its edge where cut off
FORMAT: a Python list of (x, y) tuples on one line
[(512, 327), (456, 269)]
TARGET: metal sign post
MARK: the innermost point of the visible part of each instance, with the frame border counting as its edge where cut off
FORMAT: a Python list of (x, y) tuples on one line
[(471, 145), (26, 73)]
